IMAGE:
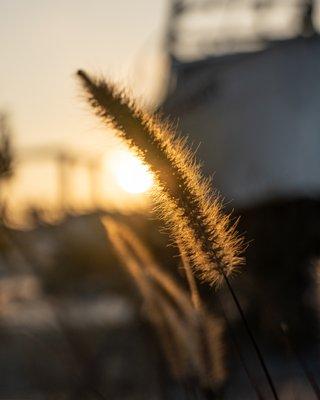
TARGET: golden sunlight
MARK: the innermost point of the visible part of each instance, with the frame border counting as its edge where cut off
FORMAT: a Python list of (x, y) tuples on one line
[(130, 173)]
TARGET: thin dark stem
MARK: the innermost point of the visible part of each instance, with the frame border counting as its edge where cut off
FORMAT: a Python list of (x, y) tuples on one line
[(251, 336), (308, 374), (238, 351)]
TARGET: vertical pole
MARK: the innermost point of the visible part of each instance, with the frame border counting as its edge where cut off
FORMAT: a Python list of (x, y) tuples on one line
[(94, 183), (62, 182)]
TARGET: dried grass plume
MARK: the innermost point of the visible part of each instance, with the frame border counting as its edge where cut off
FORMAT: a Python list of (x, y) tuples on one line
[(185, 199)]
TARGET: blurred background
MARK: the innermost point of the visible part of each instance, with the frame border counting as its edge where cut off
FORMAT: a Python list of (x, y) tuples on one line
[(240, 78)]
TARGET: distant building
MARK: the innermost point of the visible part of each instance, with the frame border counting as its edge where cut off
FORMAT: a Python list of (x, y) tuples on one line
[(255, 112)]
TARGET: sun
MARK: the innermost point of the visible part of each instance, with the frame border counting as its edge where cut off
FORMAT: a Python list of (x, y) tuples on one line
[(130, 173)]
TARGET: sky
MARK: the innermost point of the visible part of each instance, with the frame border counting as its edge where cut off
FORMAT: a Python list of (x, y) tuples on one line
[(42, 44)]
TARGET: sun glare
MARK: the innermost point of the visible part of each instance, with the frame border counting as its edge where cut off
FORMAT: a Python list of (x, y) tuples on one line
[(130, 173)]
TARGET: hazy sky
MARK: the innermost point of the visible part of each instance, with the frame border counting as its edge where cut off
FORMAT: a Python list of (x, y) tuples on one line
[(42, 44)]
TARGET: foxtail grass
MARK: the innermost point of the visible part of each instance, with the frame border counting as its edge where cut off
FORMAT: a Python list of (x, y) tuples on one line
[(181, 328), (195, 297), (185, 199)]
